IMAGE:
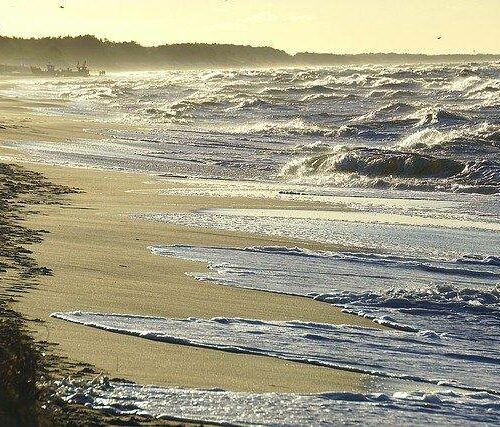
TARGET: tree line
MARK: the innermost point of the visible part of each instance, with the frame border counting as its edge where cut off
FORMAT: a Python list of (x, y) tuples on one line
[(103, 53)]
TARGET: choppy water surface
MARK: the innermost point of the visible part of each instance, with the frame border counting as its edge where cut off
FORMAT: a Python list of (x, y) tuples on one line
[(404, 161), (428, 127)]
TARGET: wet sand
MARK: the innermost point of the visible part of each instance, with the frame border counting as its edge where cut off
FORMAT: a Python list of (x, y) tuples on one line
[(100, 262)]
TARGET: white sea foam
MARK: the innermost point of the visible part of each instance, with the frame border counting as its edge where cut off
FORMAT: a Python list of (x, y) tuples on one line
[(218, 406), (394, 354), (454, 298)]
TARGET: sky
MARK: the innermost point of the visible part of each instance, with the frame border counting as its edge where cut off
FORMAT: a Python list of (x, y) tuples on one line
[(337, 26)]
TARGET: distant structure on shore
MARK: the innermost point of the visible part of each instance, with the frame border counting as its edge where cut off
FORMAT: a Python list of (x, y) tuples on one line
[(50, 70)]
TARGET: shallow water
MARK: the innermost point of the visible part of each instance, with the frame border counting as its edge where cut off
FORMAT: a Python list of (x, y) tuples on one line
[(375, 235), (454, 298), (421, 357), (442, 408)]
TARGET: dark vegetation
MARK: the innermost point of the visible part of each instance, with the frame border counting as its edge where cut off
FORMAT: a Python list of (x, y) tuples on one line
[(65, 51), (25, 388), (19, 365), (102, 53)]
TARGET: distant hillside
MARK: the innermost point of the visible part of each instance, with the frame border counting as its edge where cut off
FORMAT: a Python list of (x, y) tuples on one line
[(66, 51)]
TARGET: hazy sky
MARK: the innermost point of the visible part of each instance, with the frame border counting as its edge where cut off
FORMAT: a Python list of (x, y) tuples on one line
[(343, 26)]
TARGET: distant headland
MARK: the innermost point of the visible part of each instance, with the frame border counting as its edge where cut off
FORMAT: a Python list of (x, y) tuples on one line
[(102, 53)]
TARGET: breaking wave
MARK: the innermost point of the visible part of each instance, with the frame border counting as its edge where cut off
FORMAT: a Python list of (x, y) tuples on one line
[(437, 116), (433, 126), (373, 163), (374, 167), (292, 127), (390, 110), (312, 89), (465, 138), (329, 97)]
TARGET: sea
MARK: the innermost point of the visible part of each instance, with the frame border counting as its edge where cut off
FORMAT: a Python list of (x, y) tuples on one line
[(400, 168)]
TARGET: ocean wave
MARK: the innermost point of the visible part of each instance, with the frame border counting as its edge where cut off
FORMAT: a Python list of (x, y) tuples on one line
[(391, 94), (481, 176), (464, 83), (330, 97), (374, 162), (312, 147), (196, 102), (93, 92), (395, 84), (163, 113), (184, 108), (437, 116), (486, 88), (399, 113), (292, 127), (466, 137), (312, 89), (253, 103), (444, 111), (442, 298), (373, 167), (393, 110)]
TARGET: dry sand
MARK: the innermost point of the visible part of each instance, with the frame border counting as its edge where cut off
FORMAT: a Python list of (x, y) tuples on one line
[(100, 262)]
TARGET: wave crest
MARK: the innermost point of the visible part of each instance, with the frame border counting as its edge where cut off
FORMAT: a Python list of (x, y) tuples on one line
[(375, 162), (292, 127), (373, 167), (466, 138), (439, 116)]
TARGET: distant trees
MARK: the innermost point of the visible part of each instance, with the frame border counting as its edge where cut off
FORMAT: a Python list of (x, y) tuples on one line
[(65, 51), (103, 53)]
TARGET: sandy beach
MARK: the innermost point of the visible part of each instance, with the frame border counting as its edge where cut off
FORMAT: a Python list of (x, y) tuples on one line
[(100, 263)]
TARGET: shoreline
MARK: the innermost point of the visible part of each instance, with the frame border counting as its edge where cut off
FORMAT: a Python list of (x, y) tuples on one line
[(134, 281), (90, 240)]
